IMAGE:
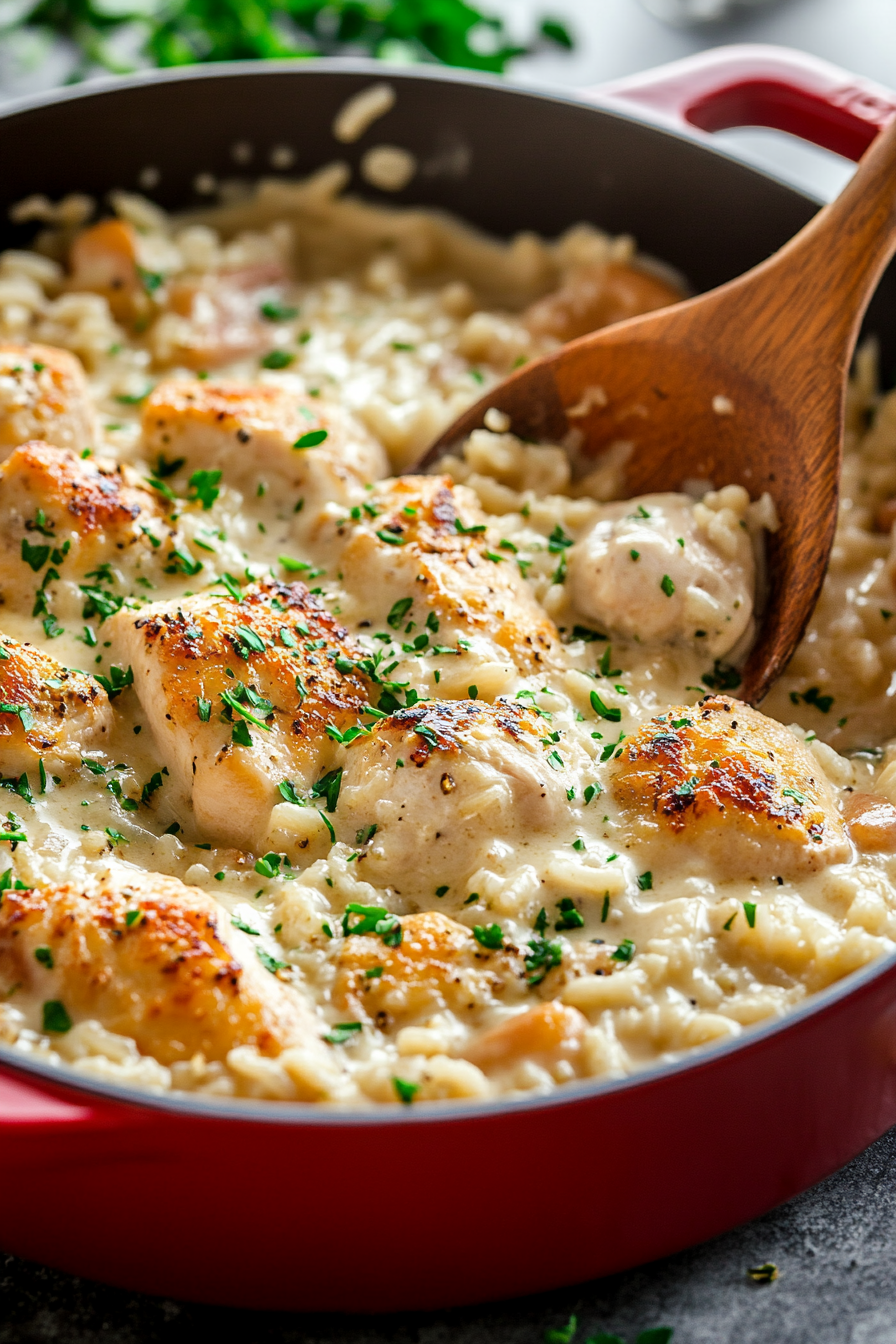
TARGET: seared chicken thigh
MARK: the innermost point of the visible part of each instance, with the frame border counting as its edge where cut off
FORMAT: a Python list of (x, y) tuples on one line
[(240, 696), (733, 790), (43, 395), (151, 959), (263, 433), (423, 537), (47, 711), (62, 516), (444, 782)]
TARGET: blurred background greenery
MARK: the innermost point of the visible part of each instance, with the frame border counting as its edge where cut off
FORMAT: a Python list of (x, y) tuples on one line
[(123, 35)]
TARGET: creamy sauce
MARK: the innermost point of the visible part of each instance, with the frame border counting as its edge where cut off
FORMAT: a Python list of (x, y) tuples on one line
[(448, 877)]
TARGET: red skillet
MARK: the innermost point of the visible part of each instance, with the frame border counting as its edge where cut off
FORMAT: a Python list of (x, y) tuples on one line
[(289, 1206)]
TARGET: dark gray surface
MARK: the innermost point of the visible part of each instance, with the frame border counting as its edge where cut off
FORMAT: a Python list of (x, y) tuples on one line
[(834, 1247)]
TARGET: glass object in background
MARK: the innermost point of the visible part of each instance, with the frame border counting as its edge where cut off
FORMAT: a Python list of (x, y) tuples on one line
[(690, 13)]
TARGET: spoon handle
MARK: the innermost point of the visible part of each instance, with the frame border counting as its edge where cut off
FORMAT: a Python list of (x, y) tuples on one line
[(807, 301)]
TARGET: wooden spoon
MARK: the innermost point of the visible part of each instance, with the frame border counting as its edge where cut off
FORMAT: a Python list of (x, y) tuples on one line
[(745, 384)]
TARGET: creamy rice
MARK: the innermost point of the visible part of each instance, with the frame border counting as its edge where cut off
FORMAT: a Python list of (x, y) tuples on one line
[(536, 924)]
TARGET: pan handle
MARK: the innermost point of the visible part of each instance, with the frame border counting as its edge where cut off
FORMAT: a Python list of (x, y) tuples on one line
[(752, 85)]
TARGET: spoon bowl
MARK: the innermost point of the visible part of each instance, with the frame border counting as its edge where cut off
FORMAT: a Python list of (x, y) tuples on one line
[(743, 385)]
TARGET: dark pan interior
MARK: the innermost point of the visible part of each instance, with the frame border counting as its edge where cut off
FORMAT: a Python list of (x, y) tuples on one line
[(501, 158)]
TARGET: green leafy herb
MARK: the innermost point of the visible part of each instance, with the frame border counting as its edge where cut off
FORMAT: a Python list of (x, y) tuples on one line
[(118, 680), (750, 912), (35, 556), (406, 1092), (289, 793), (766, 1273), (564, 1335), (568, 917), (374, 919), (645, 881), (543, 956), (489, 935), (625, 951), (246, 928), (204, 485), (328, 787), (44, 955), (667, 585), (608, 712), (181, 563), (277, 312), (270, 963), (399, 610), (205, 708), (277, 359), (312, 438), (723, 677), (342, 1032), (56, 1018)]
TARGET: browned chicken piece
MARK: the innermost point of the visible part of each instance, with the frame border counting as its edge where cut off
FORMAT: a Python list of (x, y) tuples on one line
[(151, 959), (261, 432), (871, 821), (62, 515), (429, 540), (437, 965), (43, 395), (543, 1034), (596, 296), (239, 696), (47, 712), (445, 779), (217, 320), (104, 260), (722, 786)]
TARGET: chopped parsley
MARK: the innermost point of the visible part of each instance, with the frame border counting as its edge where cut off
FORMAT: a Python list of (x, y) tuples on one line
[(645, 881), (204, 485), (328, 787), (342, 1032), (56, 1018), (608, 712), (277, 359), (568, 916), (311, 438), (750, 912), (406, 1092), (270, 963), (489, 935), (398, 612), (625, 951), (667, 585), (118, 680), (372, 919)]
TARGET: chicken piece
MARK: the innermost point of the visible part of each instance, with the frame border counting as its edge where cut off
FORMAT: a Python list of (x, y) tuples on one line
[(429, 541), (151, 959), (445, 782), (62, 516), (239, 696), (43, 395), (254, 433), (437, 965), (215, 319), (595, 296), (544, 1034), (663, 569), (722, 786), (47, 711), (871, 821), (104, 259)]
